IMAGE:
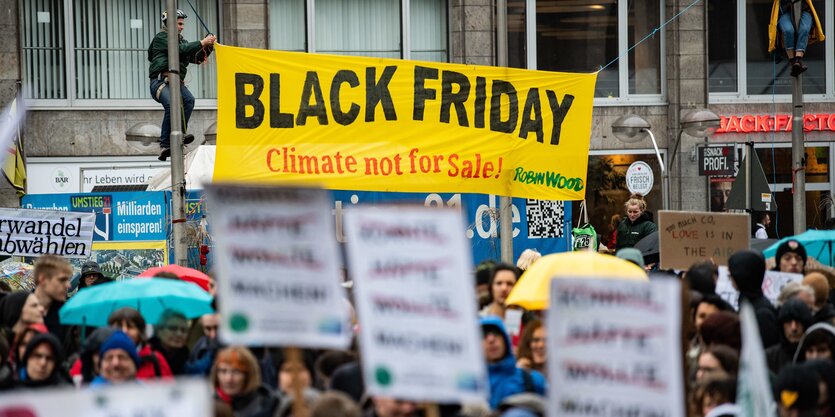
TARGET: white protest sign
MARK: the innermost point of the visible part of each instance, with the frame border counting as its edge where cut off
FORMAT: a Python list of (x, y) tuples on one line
[(773, 284), (420, 338), (184, 398), (27, 232), (279, 276), (614, 348)]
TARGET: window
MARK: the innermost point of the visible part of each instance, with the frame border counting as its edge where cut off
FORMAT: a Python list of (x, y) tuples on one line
[(361, 27), (102, 47), (751, 71), (585, 35)]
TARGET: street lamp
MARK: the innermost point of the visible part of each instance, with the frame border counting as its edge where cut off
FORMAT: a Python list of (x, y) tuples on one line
[(632, 129), (211, 134), (147, 133)]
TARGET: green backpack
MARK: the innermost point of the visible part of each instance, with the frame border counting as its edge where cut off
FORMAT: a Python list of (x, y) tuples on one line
[(584, 237)]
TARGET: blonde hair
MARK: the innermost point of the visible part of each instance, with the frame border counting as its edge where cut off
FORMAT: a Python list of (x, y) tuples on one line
[(636, 200), (527, 258), (239, 357), (49, 266)]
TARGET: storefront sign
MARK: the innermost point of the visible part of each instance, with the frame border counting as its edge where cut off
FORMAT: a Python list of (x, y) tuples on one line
[(639, 178), (136, 216), (46, 232), (418, 338), (279, 275), (376, 124), (69, 175), (615, 349), (716, 160), (687, 237), (751, 123)]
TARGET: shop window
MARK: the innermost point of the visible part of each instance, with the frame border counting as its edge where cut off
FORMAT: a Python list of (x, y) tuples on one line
[(517, 48), (817, 164), (606, 192), (362, 28), (644, 71), (108, 57)]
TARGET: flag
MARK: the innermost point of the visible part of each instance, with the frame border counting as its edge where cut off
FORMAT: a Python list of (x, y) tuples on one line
[(14, 167), (754, 396)]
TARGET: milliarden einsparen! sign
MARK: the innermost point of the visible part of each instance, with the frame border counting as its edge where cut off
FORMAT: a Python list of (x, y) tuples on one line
[(43, 232), (374, 124)]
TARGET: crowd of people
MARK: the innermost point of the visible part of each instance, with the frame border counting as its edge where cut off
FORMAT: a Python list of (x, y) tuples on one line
[(797, 334)]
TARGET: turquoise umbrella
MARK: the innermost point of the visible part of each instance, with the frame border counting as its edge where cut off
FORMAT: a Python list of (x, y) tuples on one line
[(92, 306), (819, 244)]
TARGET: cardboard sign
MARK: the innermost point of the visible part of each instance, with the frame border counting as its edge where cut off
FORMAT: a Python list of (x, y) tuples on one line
[(773, 284), (614, 348), (687, 237), (420, 339), (46, 232), (717, 160), (184, 398), (279, 277)]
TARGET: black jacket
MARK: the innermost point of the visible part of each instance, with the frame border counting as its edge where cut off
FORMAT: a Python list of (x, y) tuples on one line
[(629, 233), (176, 358), (259, 403), (766, 319)]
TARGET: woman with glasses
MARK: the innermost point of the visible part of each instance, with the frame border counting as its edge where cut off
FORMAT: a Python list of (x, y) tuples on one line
[(236, 378), (532, 354), (170, 337)]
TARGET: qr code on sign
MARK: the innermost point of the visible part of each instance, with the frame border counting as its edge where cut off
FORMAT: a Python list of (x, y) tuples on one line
[(545, 218)]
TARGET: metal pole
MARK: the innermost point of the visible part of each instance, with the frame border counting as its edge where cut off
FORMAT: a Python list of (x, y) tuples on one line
[(749, 150), (178, 186), (798, 150), (665, 179), (505, 203)]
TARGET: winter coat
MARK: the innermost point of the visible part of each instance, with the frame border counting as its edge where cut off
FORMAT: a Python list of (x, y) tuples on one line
[(158, 54), (815, 35), (259, 403), (782, 354), (202, 356), (152, 365), (766, 319), (800, 354), (176, 358), (825, 314), (629, 232), (505, 378)]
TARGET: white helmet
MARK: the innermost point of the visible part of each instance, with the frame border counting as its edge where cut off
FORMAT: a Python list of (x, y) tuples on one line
[(180, 15)]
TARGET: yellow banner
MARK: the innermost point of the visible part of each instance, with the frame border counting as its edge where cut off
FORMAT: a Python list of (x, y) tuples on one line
[(374, 124)]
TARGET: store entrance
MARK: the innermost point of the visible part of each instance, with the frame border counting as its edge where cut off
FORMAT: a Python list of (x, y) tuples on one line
[(817, 211)]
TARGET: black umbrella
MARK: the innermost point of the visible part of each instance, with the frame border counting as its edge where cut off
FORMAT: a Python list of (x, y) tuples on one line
[(648, 245)]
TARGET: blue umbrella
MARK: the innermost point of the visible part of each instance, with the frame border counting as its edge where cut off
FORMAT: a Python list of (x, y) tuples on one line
[(92, 306), (819, 244)]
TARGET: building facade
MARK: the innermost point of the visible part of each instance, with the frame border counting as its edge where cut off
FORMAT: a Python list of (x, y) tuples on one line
[(82, 66)]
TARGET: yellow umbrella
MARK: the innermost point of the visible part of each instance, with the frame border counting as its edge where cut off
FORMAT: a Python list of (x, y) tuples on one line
[(533, 289)]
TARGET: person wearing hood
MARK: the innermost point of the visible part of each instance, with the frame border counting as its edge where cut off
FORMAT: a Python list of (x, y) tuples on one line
[(236, 377), (18, 310), (505, 377), (791, 257), (825, 369), (41, 363), (747, 270), (817, 343), (118, 362), (637, 224), (91, 275), (796, 391), (794, 318)]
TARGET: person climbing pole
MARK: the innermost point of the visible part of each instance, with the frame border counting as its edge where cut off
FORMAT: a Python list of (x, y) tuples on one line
[(794, 39), (190, 53)]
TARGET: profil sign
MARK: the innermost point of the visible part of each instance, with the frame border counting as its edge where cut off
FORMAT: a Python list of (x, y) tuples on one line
[(761, 123)]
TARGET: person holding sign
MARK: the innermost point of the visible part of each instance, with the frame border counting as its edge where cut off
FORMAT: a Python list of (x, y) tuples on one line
[(505, 377), (637, 224)]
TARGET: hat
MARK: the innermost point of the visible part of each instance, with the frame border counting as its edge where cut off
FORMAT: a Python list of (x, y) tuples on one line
[(797, 388), (119, 340), (91, 267), (790, 245), (180, 15), (747, 269), (795, 310), (632, 255)]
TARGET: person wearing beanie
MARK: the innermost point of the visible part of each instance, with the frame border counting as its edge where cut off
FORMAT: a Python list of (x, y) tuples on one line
[(85, 369), (747, 270), (41, 363), (794, 318), (791, 257), (118, 360), (796, 391), (632, 255)]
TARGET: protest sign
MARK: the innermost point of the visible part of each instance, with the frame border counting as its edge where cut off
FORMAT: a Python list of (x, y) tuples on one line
[(185, 398), (614, 348), (419, 336), (687, 237), (376, 124), (46, 232), (279, 275), (773, 284)]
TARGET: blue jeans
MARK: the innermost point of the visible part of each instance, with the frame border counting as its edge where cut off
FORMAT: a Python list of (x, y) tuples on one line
[(795, 41), (165, 100)]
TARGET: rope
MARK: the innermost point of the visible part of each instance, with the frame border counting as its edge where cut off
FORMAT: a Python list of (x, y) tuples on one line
[(651, 34), (774, 139), (198, 16)]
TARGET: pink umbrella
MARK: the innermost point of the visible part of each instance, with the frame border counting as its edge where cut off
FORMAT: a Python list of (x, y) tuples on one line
[(184, 273)]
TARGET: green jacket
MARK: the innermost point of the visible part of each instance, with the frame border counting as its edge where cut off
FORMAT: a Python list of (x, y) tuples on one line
[(629, 233), (158, 54)]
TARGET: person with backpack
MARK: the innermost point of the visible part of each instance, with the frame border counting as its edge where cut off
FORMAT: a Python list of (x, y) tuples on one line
[(505, 377)]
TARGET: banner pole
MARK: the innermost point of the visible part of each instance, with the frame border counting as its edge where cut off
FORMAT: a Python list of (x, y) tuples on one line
[(178, 186), (505, 203)]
